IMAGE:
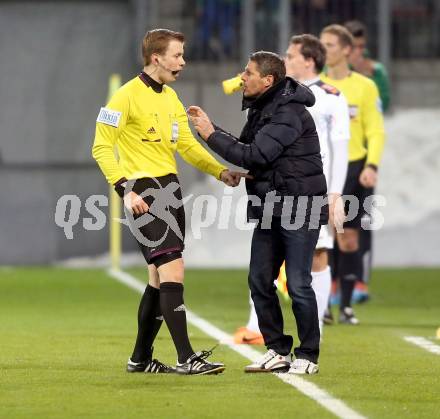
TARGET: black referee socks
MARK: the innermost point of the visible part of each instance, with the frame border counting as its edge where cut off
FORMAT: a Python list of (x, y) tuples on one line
[(149, 322), (174, 313), (349, 269)]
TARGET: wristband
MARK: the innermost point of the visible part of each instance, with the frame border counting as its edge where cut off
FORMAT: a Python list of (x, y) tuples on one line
[(120, 186)]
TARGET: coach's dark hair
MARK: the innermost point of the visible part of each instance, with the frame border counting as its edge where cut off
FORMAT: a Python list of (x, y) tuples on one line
[(156, 42), (311, 48), (344, 36), (269, 63), (356, 28)]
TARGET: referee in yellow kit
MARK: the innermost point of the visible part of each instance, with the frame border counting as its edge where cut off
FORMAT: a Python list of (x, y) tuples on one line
[(147, 122), (364, 153)]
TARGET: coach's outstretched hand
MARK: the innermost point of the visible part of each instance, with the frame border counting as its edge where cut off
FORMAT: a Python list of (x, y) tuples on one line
[(205, 128), (201, 121)]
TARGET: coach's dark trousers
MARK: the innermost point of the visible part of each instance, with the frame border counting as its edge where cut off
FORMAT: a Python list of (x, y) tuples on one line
[(269, 248)]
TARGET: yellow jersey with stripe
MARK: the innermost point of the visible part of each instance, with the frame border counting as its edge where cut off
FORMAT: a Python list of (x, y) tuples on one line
[(147, 128), (367, 133)]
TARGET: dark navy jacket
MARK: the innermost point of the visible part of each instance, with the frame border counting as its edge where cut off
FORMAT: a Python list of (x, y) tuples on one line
[(279, 146)]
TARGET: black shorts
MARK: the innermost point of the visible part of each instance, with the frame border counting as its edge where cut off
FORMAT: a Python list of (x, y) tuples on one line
[(162, 231), (353, 187)]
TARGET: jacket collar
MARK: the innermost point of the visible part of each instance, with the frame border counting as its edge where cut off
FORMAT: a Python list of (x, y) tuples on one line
[(157, 87), (287, 84), (260, 101)]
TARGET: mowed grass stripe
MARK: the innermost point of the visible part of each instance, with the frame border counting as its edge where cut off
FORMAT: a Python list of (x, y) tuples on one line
[(335, 406), (66, 335), (369, 367)]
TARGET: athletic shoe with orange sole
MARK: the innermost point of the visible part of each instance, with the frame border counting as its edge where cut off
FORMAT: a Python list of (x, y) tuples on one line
[(247, 337), (360, 293)]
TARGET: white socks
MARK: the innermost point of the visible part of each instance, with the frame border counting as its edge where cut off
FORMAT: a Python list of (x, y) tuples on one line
[(321, 284), (253, 320)]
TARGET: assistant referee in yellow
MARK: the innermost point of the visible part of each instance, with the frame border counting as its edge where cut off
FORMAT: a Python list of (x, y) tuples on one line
[(147, 123), (365, 147)]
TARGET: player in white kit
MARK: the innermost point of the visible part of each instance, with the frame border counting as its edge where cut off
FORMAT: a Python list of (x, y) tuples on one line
[(305, 59)]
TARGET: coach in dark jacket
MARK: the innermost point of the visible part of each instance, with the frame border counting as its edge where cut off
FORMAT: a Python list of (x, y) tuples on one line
[(280, 148)]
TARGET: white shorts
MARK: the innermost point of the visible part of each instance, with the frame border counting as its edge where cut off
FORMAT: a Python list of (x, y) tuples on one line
[(325, 239)]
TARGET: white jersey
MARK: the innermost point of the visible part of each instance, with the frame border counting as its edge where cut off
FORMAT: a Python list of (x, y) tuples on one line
[(332, 120)]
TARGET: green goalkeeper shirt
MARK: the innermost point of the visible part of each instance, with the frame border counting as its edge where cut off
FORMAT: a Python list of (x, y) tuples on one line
[(380, 78)]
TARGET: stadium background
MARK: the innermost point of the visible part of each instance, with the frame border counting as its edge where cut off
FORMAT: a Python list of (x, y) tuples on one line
[(57, 57)]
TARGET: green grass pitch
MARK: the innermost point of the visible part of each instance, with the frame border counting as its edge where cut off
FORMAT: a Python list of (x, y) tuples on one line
[(65, 336)]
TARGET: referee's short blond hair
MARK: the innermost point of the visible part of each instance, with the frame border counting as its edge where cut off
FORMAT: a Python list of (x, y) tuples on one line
[(156, 42), (344, 36)]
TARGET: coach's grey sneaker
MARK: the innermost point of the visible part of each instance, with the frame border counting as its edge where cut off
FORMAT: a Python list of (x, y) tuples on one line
[(346, 316), (303, 366), (152, 366), (270, 362)]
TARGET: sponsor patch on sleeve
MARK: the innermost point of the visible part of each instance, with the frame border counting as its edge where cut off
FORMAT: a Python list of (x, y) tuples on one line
[(109, 117)]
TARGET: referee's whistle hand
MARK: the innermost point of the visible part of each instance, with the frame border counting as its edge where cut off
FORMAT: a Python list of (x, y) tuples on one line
[(134, 203)]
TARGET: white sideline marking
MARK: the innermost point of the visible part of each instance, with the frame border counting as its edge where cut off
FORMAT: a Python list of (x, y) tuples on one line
[(424, 344), (337, 407)]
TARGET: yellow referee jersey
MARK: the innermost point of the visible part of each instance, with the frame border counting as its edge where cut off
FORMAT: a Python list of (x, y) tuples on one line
[(148, 128), (366, 120)]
